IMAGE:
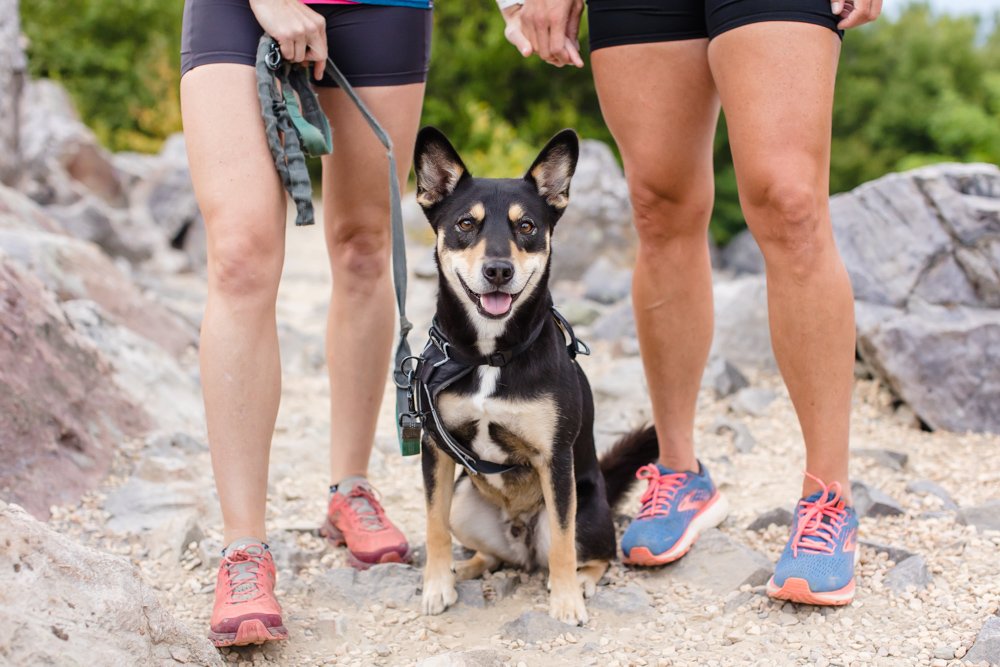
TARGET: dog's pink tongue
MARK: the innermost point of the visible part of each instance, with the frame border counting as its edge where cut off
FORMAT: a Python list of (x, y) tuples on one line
[(496, 303)]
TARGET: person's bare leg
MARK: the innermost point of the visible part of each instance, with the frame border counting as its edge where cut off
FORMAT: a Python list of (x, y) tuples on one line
[(660, 104), (776, 82), (361, 327), (243, 205)]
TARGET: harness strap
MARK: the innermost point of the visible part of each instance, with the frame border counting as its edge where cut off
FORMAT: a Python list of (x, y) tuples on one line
[(290, 163), (496, 359), (436, 373), (441, 365)]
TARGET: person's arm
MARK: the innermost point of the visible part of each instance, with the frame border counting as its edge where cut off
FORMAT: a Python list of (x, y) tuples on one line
[(549, 28), (856, 12), (299, 31)]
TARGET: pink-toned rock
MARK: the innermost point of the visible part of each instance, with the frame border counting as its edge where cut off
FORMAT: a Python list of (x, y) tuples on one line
[(19, 212), (60, 415), (75, 269)]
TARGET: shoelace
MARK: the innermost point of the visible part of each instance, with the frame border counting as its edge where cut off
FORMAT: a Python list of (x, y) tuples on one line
[(363, 501), (243, 567), (814, 534), (660, 493)]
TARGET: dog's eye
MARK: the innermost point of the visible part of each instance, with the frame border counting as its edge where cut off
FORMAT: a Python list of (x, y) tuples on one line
[(526, 226), (465, 225)]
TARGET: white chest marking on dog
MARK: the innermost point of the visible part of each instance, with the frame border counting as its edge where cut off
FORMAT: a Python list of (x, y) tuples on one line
[(488, 376), (533, 420)]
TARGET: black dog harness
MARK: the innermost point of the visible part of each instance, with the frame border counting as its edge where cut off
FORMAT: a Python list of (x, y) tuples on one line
[(440, 366)]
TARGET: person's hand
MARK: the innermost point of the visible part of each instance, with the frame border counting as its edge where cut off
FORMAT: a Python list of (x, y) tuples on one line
[(548, 28), (856, 12), (299, 31)]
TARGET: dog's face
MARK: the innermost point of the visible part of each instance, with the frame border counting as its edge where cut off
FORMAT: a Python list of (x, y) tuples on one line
[(493, 235)]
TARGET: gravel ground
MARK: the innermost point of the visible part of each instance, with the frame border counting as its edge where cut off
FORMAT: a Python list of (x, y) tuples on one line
[(685, 614)]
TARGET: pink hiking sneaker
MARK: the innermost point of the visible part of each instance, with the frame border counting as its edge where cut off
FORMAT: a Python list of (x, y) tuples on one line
[(246, 611), (356, 518)]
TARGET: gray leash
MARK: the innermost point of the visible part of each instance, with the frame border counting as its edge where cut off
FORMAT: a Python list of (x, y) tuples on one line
[(281, 114)]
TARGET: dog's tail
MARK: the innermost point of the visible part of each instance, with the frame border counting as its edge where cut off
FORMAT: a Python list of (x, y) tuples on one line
[(618, 464)]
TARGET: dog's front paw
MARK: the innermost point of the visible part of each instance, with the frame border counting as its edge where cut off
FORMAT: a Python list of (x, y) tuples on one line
[(568, 607), (588, 585), (439, 593)]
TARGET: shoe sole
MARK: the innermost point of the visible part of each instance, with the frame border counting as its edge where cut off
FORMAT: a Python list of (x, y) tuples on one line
[(710, 516), (796, 589), (336, 537), (251, 631)]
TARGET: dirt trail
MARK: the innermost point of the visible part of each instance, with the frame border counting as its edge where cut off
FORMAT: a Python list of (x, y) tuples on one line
[(708, 610)]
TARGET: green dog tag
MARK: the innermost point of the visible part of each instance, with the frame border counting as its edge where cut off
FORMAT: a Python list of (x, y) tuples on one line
[(409, 436)]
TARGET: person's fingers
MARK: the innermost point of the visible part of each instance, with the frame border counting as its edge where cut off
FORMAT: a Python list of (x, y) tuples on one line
[(515, 36), (317, 49), (287, 46), (541, 42), (573, 49), (573, 24), (527, 25), (557, 45), (855, 13), (876, 10), (836, 7), (299, 50)]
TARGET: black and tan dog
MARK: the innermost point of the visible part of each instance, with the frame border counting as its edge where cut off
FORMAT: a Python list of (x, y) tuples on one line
[(533, 409)]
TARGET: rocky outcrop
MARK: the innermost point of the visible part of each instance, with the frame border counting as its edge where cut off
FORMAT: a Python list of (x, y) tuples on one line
[(60, 417), (12, 67), (923, 252), (138, 207), (599, 219), (160, 196), (75, 269), (65, 604)]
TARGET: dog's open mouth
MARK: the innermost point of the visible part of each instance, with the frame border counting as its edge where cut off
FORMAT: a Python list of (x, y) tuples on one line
[(491, 304)]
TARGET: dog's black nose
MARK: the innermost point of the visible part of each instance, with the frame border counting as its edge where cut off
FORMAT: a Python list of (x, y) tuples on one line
[(498, 271)]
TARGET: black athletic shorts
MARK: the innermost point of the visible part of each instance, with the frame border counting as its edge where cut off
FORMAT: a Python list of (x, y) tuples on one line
[(373, 45), (618, 22)]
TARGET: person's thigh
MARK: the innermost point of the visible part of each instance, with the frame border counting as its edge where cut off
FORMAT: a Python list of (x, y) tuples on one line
[(776, 81), (355, 175), (233, 173), (384, 52), (659, 101)]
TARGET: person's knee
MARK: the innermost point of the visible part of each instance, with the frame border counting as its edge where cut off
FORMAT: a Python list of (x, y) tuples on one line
[(359, 248), (671, 217), (789, 221), (246, 265)]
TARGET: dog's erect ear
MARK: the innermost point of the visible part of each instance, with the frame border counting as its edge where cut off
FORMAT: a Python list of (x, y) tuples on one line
[(554, 167), (438, 167)]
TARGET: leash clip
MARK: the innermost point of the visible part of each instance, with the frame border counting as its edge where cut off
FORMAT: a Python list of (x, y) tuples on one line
[(273, 57), (407, 375)]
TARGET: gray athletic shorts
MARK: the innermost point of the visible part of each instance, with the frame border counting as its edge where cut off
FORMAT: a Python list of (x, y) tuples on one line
[(373, 45)]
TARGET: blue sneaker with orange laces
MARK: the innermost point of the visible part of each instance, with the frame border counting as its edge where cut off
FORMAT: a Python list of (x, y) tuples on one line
[(817, 565), (676, 508)]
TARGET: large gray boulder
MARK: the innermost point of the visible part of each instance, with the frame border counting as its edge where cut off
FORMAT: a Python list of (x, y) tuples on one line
[(923, 252), (742, 255), (65, 169), (742, 335), (161, 196), (598, 222), (61, 416), (65, 604)]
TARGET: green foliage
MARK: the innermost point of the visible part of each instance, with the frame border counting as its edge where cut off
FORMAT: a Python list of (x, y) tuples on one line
[(119, 61), (921, 88)]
